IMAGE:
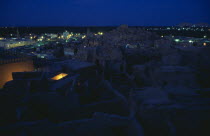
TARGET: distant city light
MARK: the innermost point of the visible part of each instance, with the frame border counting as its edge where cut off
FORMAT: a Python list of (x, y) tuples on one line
[(204, 36), (204, 44), (100, 33), (190, 41), (83, 36), (177, 40)]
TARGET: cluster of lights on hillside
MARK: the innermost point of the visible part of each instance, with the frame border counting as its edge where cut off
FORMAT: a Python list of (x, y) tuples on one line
[(197, 41), (99, 33), (178, 29)]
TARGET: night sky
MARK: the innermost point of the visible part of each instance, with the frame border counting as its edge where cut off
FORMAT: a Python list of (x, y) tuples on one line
[(102, 12)]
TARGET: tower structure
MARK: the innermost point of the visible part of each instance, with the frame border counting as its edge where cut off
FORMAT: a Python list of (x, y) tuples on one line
[(18, 34)]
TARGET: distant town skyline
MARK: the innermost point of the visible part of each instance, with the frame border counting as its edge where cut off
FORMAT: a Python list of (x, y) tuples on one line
[(103, 12)]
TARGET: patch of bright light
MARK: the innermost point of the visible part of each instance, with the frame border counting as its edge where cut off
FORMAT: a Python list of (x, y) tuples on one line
[(100, 33), (59, 76), (177, 40), (204, 44), (84, 37)]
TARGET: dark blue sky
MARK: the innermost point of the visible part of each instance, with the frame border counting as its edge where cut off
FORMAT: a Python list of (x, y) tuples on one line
[(102, 12)]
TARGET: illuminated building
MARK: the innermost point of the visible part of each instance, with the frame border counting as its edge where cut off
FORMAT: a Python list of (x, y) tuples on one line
[(52, 35), (12, 43), (65, 35)]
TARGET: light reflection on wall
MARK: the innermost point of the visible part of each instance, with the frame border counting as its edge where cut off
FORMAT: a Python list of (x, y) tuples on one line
[(59, 76), (7, 69)]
